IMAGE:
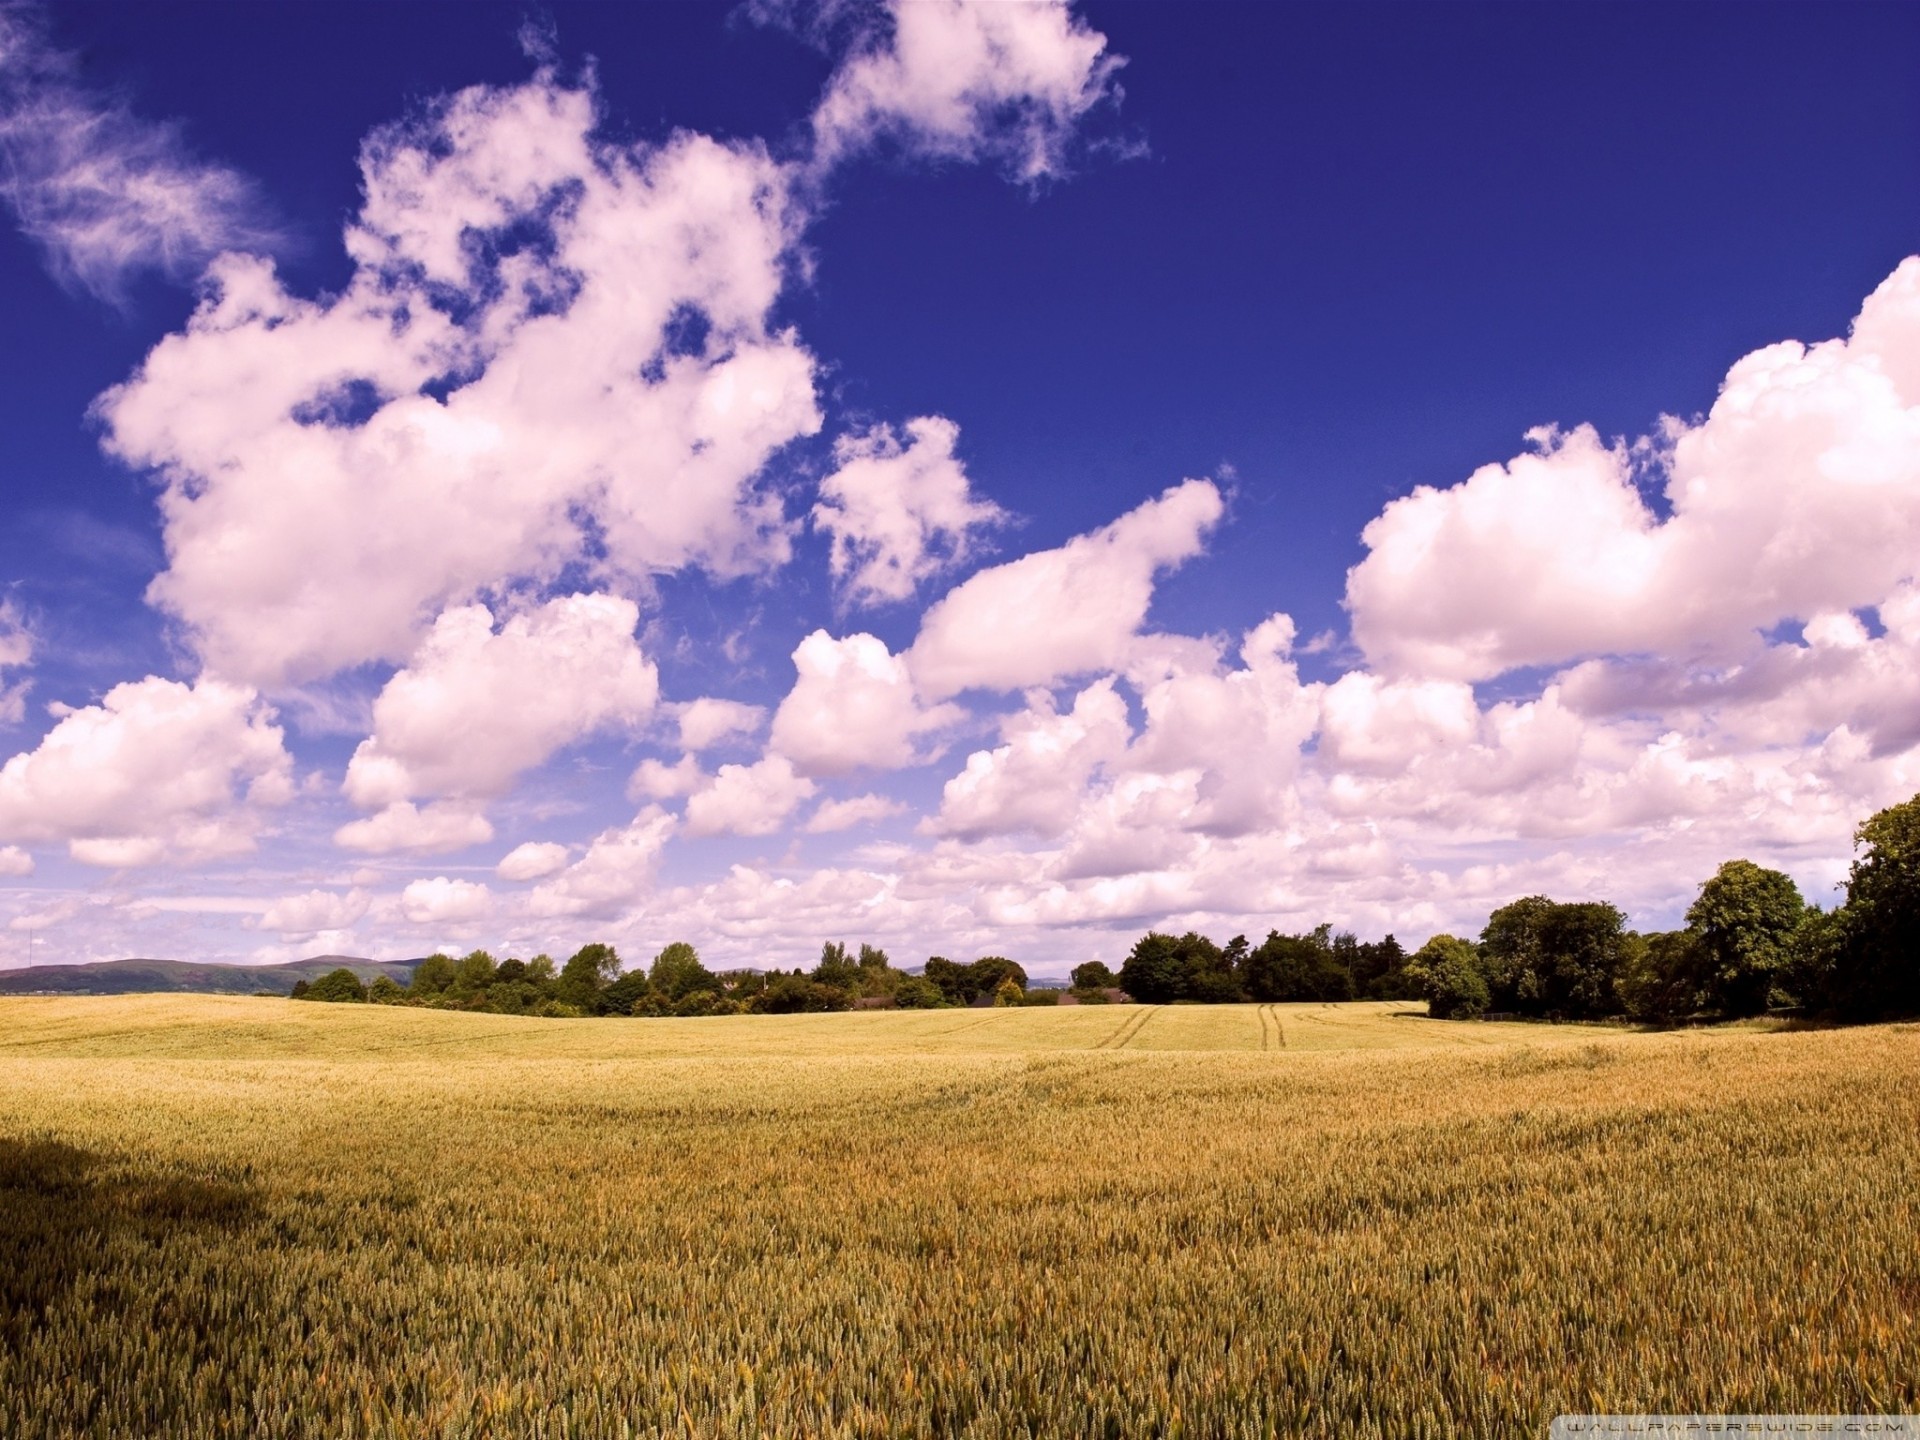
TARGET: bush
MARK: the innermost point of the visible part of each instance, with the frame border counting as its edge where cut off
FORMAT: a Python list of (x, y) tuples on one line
[(1093, 975), (918, 993), (1448, 971), (340, 986)]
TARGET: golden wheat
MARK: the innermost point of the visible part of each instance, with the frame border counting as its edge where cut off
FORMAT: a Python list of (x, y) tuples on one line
[(248, 1217)]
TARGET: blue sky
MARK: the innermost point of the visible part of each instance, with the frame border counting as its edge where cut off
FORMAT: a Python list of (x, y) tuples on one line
[(968, 478)]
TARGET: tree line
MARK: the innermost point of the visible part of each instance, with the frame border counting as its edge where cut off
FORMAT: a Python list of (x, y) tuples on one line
[(1751, 943), (592, 982)]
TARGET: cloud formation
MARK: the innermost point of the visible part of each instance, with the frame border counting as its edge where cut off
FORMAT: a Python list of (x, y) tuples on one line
[(954, 80), (898, 512), (158, 770), (103, 194)]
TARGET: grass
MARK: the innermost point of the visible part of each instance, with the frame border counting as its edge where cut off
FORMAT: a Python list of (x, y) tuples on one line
[(239, 1217)]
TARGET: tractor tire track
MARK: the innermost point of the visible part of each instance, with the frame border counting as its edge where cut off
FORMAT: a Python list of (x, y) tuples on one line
[(1128, 1028)]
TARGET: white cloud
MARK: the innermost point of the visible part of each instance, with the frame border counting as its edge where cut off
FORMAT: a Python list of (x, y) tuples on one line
[(475, 707), (832, 815), (315, 911), (1798, 495), (707, 722), (615, 872), (748, 799), (16, 653), (441, 901), (962, 79), (1065, 612), (852, 705), (898, 513), (655, 780), (14, 861), (338, 471), (102, 193), (1035, 782), (441, 826), (157, 770), (534, 860)]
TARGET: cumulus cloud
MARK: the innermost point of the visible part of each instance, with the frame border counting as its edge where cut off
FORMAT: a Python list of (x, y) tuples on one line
[(1036, 781), (442, 901), (960, 79), (443, 825), (102, 193), (707, 722), (604, 398), (1797, 495), (832, 815), (157, 770), (657, 780), (748, 799), (534, 860), (853, 705), (615, 872), (898, 512), (14, 861), (476, 707), (314, 911), (1059, 613)]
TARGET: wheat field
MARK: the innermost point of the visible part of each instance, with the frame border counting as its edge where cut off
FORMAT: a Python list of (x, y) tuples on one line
[(255, 1217)]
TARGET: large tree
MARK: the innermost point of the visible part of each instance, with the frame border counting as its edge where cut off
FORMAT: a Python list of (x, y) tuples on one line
[(1743, 926), (1871, 965), (1299, 967), (1448, 973), (677, 972), (1543, 957)]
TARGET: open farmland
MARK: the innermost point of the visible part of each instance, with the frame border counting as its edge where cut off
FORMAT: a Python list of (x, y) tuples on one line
[(234, 1217)]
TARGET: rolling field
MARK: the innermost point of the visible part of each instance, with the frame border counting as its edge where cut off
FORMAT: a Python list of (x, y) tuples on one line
[(254, 1217)]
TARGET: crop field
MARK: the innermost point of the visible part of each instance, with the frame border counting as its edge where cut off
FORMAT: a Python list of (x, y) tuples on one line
[(255, 1217)]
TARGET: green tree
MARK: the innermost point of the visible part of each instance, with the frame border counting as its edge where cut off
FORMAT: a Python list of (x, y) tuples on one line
[(340, 985), (1871, 965), (1743, 925), (1298, 967), (622, 995), (385, 990), (916, 992), (1660, 981), (677, 972), (1154, 971), (1008, 993), (587, 972), (1542, 957), (432, 975), (1447, 970), (1092, 975), (474, 973), (837, 968)]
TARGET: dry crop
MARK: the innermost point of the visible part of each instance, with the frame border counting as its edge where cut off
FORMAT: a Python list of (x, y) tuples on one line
[(250, 1217)]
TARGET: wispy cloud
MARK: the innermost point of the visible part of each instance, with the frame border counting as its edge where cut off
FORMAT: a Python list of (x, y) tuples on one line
[(105, 194)]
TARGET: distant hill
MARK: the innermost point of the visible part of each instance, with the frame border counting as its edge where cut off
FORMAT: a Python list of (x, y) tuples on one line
[(129, 977)]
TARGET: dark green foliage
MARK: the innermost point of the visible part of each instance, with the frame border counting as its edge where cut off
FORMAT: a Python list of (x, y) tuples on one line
[(1863, 963), (1448, 974), (1743, 926), (1093, 975), (797, 994), (432, 975), (385, 990), (1301, 967), (964, 984), (1660, 981), (837, 968), (474, 973), (677, 972), (915, 992), (620, 997), (1544, 958), (338, 986), (587, 972), (300, 989), (1154, 972)]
